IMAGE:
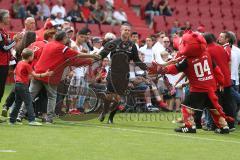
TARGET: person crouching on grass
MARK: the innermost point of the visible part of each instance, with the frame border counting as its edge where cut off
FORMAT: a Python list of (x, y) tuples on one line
[(23, 72)]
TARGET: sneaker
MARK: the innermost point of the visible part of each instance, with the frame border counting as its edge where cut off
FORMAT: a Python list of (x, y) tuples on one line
[(35, 123), (152, 108), (199, 126), (224, 130), (162, 104), (186, 129), (4, 111), (101, 117), (19, 119), (232, 129), (110, 121), (74, 112), (49, 121), (121, 107)]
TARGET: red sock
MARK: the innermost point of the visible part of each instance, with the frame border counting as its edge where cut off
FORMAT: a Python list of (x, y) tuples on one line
[(187, 116)]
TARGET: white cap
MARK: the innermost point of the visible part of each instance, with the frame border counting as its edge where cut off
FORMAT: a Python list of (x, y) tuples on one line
[(110, 35)]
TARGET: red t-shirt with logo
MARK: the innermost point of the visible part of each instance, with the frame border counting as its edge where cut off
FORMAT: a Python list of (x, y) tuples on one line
[(55, 57), (22, 72), (37, 48)]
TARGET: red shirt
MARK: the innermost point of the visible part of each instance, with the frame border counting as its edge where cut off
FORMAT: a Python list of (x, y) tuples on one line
[(5, 46), (22, 72), (86, 12), (227, 49), (53, 58), (40, 34), (199, 71), (222, 59), (37, 48)]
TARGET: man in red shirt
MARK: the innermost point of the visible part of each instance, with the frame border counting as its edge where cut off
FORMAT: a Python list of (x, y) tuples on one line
[(49, 24), (54, 57), (222, 59), (38, 46), (224, 39), (22, 73), (202, 75), (6, 44), (86, 12)]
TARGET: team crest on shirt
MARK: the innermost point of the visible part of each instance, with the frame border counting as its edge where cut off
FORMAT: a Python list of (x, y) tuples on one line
[(35, 48), (111, 47)]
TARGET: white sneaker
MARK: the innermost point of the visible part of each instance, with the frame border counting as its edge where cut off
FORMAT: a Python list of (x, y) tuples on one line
[(35, 123)]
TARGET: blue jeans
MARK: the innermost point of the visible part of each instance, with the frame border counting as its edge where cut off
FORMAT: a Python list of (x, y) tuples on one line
[(208, 119), (22, 94), (83, 94)]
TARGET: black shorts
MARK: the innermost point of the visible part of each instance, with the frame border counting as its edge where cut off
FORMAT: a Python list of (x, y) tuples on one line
[(198, 101)]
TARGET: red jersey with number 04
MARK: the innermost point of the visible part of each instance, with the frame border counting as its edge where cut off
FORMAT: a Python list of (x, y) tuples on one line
[(199, 71)]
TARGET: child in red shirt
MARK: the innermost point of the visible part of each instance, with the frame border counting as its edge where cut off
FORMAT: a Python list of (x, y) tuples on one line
[(23, 72)]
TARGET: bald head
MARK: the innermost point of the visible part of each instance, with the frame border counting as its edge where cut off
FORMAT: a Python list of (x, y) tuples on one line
[(30, 24)]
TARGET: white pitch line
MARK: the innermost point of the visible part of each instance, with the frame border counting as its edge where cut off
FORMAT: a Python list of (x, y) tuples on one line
[(167, 134), (7, 151)]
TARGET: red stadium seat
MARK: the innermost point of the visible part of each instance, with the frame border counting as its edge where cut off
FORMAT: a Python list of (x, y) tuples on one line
[(159, 23), (79, 26), (94, 29), (106, 28), (16, 25), (143, 32)]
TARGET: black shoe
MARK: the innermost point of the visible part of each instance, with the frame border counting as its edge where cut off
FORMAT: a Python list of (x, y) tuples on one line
[(232, 129), (186, 129), (101, 117), (110, 121), (4, 111), (199, 126), (224, 130)]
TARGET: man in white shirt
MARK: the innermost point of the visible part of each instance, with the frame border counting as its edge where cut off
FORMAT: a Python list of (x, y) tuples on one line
[(58, 8), (235, 62), (135, 39), (43, 9), (120, 15), (158, 47), (147, 50)]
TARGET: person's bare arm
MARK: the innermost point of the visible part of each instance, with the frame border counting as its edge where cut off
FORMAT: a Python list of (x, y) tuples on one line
[(41, 75)]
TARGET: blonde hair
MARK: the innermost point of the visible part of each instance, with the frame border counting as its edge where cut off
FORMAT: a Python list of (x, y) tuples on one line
[(26, 53)]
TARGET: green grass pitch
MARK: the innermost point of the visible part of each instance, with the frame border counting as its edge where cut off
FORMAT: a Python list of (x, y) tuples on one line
[(132, 137)]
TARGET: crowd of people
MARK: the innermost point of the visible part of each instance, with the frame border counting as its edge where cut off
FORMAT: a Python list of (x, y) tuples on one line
[(83, 11), (156, 8), (46, 67)]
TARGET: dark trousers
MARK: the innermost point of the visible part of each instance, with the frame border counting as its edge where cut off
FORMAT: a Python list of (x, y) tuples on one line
[(3, 78), (10, 99), (228, 104), (22, 94)]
